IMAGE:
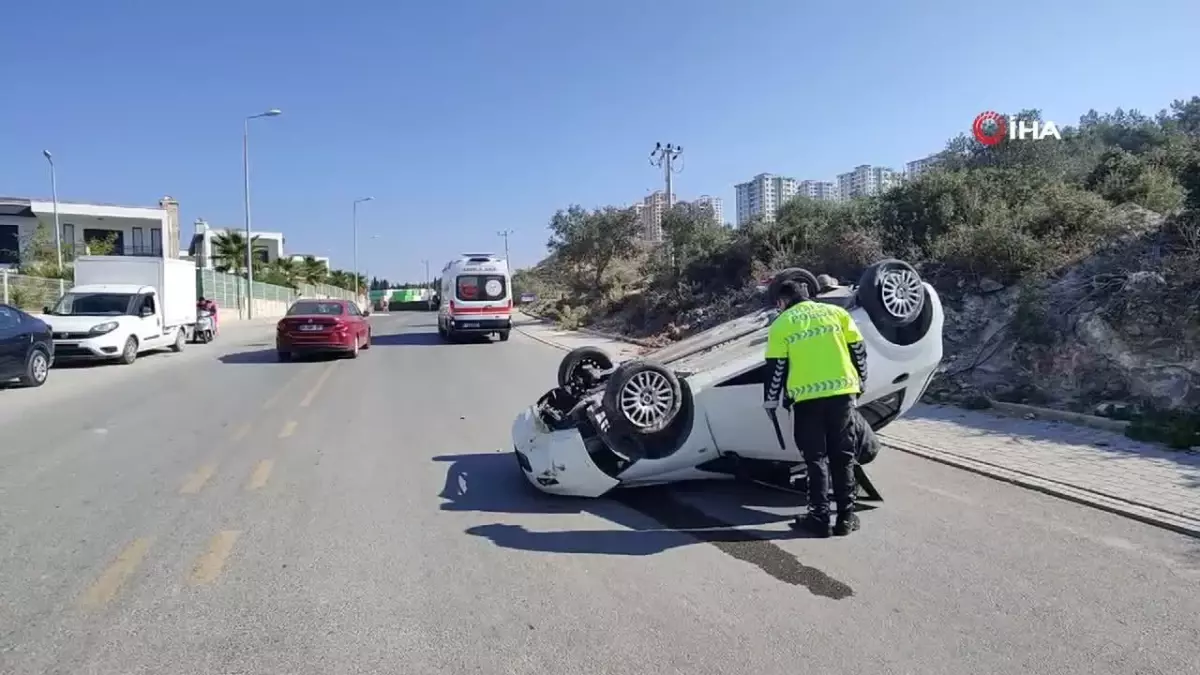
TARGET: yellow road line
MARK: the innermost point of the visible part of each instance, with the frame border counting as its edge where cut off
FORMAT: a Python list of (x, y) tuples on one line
[(196, 480), (106, 587), (288, 429), (312, 393), (208, 566), (241, 431), (261, 473), (287, 385)]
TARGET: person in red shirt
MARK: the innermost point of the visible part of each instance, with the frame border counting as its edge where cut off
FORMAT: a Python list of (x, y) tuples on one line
[(210, 307)]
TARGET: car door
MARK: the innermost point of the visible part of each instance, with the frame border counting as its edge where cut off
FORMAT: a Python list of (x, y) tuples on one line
[(13, 342), (149, 319), (358, 320)]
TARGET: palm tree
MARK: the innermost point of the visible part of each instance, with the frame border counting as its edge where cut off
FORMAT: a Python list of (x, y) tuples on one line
[(313, 271), (229, 251), (340, 279), (284, 272)]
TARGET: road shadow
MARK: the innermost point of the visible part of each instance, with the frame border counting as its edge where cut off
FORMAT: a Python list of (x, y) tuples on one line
[(652, 520), (407, 340), (257, 356), (85, 364)]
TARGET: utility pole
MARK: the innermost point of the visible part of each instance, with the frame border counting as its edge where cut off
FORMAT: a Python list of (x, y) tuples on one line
[(664, 156), (505, 233)]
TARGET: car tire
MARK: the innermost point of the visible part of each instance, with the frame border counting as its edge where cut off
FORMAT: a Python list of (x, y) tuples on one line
[(283, 357), (37, 368), (129, 352), (353, 350), (591, 356), (892, 293), (642, 398), (504, 336), (180, 338), (796, 274), (367, 342)]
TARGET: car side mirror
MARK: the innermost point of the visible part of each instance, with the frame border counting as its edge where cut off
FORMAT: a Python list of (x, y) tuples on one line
[(45, 309), (147, 311), (366, 312)]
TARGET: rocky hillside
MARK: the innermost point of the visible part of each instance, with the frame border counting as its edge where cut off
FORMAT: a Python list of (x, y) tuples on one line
[(1119, 328)]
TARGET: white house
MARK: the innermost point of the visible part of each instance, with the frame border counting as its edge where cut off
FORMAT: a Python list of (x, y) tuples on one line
[(300, 257), (133, 230), (268, 247)]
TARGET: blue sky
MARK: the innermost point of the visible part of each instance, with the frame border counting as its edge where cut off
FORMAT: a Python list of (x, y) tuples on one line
[(465, 117)]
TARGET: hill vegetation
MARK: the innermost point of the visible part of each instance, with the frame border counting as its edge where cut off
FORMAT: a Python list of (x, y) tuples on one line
[(1070, 269)]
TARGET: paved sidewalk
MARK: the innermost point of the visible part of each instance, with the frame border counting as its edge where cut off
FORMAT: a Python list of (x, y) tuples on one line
[(546, 332), (1102, 469)]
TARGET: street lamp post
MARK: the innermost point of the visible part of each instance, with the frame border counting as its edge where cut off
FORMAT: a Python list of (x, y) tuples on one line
[(354, 227), (273, 112), (54, 195)]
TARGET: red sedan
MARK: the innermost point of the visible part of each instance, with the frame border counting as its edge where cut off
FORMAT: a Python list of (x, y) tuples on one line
[(322, 326)]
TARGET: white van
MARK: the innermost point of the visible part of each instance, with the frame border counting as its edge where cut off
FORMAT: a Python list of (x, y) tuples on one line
[(476, 297), (123, 306)]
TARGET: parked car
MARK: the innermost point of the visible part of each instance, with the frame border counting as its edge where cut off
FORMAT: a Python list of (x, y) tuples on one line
[(322, 326), (26, 347), (693, 410)]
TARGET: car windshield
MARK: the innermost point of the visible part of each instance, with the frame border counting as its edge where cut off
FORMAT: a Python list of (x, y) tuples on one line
[(326, 308), (93, 304)]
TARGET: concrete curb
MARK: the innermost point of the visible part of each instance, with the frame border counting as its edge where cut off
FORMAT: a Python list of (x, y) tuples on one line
[(595, 333), (1078, 419), (536, 338), (1144, 513)]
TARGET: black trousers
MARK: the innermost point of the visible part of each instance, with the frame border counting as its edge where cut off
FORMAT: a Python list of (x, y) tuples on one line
[(822, 429)]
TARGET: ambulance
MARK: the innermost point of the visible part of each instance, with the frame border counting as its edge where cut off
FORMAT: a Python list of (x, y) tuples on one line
[(475, 297)]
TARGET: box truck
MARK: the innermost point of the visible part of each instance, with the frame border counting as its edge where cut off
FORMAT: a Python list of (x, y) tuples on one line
[(124, 306)]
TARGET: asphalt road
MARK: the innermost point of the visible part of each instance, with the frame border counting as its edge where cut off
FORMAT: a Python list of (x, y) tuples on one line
[(229, 514)]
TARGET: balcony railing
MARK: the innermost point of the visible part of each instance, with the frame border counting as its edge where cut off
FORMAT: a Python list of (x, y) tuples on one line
[(141, 251)]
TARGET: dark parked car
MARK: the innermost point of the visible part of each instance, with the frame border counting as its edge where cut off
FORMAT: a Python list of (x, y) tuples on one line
[(26, 347), (322, 326)]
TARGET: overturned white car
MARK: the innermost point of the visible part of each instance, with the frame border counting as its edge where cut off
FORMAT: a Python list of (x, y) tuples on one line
[(693, 410)]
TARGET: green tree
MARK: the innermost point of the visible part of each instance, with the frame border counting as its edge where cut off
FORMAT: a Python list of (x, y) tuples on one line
[(589, 241), (281, 272), (313, 271), (229, 251)]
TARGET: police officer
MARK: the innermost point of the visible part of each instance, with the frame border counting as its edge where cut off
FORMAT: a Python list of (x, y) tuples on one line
[(816, 364)]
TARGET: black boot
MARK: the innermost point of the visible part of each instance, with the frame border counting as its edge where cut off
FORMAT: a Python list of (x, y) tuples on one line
[(815, 523), (847, 522)]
